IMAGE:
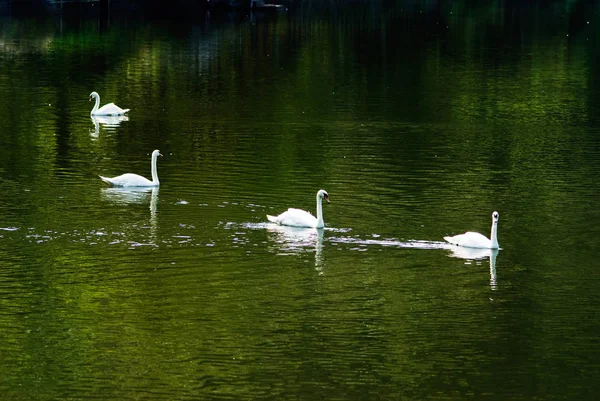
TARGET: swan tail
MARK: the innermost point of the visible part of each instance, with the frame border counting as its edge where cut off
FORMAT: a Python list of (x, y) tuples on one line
[(106, 180), (272, 219), (125, 110), (456, 240)]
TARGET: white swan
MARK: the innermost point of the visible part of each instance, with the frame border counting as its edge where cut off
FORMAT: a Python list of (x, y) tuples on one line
[(134, 180), (476, 240), (109, 109), (302, 218)]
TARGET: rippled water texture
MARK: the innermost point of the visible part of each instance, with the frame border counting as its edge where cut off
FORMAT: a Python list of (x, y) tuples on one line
[(418, 121)]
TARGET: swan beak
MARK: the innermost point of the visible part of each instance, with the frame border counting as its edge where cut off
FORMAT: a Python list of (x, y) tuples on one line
[(327, 198)]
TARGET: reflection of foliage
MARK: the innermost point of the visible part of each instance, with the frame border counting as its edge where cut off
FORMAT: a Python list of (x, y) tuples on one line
[(397, 64), (328, 94), (454, 67)]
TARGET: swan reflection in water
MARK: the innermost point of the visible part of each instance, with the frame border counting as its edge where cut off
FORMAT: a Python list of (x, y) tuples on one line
[(298, 240), (110, 123), (135, 195), (478, 254)]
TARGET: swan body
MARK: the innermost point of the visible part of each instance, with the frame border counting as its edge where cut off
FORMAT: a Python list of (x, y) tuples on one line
[(475, 240), (109, 109), (134, 180), (301, 218)]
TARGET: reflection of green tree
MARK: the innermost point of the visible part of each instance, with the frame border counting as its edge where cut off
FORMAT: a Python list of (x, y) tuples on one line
[(390, 78)]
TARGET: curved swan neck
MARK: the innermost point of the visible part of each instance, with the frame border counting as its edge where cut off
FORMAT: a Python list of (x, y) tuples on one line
[(320, 222), (494, 235), (97, 104), (154, 172)]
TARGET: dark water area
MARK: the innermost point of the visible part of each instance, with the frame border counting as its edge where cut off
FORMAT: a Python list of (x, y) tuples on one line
[(419, 119)]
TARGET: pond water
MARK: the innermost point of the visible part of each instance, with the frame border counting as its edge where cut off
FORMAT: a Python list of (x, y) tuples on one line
[(419, 122)]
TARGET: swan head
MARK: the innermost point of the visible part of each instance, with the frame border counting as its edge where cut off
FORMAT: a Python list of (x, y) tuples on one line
[(156, 153), (495, 216), (322, 194), (93, 95)]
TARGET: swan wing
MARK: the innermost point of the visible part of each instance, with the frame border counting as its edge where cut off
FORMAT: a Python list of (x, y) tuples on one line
[(294, 217), (471, 240), (110, 109), (128, 180)]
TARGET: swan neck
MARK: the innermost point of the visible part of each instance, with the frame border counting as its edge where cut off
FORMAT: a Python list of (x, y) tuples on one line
[(97, 104), (320, 222), (494, 236), (154, 172)]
